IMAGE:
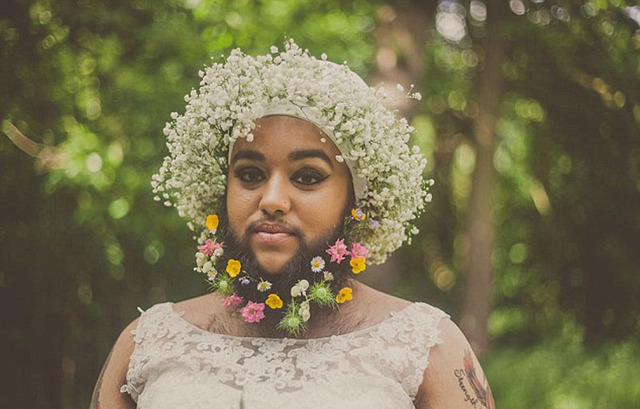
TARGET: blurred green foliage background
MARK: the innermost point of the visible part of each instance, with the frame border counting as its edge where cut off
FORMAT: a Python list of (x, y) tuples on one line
[(92, 82)]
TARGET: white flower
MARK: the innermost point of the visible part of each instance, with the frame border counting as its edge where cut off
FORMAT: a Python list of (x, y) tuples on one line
[(317, 264), (233, 94), (328, 276), (219, 252), (264, 286), (304, 311), (211, 275), (300, 288), (200, 259)]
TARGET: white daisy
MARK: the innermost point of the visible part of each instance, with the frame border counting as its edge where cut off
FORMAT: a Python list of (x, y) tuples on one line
[(328, 276), (264, 286), (317, 264)]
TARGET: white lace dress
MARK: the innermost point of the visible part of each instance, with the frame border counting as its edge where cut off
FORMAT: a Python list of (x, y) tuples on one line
[(178, 365)]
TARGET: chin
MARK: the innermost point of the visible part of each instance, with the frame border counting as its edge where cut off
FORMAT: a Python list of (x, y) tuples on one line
[(273, 263)]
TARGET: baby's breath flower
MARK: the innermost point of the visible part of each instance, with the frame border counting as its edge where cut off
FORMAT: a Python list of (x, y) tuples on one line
[(372, 141)]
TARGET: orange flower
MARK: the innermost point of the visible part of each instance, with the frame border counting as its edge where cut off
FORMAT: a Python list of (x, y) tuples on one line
[(233, 267), (273, 301), (344, 295)]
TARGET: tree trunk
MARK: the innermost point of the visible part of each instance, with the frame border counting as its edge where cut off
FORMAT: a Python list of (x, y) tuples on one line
[(401, 35), (479, 229)]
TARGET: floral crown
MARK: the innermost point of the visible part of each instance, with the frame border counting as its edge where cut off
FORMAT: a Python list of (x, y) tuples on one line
[(386, 172)]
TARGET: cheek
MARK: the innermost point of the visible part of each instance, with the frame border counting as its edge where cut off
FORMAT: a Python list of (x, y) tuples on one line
[(240, 205), (323, 213)]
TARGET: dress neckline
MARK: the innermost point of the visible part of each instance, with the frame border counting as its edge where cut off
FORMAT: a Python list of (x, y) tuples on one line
[(392, 316)]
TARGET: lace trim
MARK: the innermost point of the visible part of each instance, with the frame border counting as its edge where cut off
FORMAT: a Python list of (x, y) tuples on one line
[(396, 348)]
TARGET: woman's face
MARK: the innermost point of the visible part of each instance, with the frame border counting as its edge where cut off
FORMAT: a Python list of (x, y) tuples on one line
[(285, 187)]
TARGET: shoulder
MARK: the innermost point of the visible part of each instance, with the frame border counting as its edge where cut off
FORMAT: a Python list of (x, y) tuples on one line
[(202, 311), (375, 301), (117, 365), (115, 369), (121, 353), (454, 377), (126, 348)]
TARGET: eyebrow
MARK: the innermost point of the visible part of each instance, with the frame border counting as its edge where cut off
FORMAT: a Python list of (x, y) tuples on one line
[(247, 154), (310, 153), (293, 156)]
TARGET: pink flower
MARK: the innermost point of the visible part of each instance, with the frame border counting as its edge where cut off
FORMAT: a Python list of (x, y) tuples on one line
[(253, 312), (232, 301), (358, 251), (209, 247), (338, 251)]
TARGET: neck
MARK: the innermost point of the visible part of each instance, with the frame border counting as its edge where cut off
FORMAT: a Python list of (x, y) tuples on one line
[(324, 322)]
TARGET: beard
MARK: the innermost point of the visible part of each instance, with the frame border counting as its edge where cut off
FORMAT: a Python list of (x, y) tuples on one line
[(298, 267)]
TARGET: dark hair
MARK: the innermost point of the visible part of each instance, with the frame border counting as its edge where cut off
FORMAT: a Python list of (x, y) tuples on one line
[(295, 269)]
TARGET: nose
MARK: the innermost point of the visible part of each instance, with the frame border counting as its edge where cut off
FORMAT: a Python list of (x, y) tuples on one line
[(275, 199)]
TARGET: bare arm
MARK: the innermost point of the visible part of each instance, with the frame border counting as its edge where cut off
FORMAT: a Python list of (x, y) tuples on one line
[(106, 394), (454, 378)]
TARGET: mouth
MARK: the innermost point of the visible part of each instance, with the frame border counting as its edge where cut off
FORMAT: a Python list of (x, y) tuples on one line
[(272, 233)]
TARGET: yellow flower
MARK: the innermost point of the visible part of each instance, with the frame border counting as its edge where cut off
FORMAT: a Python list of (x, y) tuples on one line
[(212, 222), (358, 214), (358, 265), (344, 295), (274, 301), (233, 267)]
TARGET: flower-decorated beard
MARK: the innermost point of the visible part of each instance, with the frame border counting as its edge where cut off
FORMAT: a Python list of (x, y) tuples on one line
[(294, 270)]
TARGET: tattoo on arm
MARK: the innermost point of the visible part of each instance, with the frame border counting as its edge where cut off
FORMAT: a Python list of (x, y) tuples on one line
[(478, 391)]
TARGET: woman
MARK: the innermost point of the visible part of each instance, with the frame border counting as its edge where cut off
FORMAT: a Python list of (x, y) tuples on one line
[(296, 177)]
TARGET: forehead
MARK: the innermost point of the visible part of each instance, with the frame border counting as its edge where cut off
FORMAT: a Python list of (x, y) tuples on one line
[(280, 134)]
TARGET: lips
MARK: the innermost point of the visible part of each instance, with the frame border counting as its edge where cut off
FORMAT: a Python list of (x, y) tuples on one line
[(273, 228), (272, 233)]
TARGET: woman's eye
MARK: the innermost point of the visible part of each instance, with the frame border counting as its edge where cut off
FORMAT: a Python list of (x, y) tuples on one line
[(250, 175), (308, 177)]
